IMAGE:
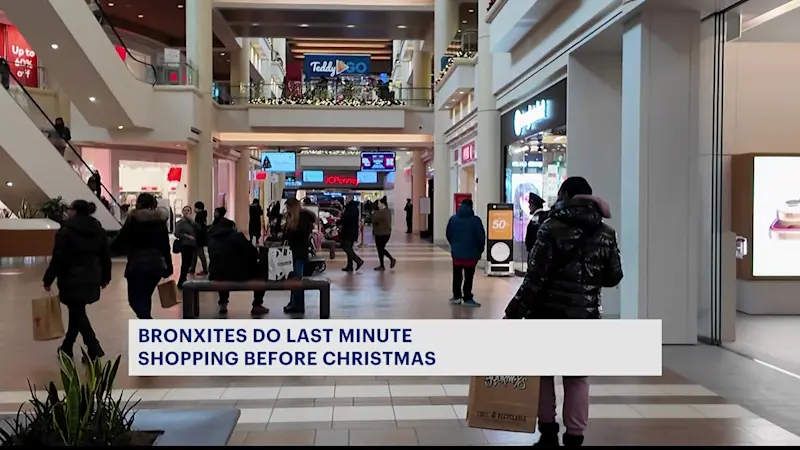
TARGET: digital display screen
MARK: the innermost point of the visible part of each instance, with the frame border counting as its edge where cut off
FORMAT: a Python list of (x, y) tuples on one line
[(367, 177), (378, 161), (313, 176), (776, 216), (284, 162)]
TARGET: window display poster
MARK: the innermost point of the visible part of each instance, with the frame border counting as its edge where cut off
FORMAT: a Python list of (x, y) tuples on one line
[(522, 185), (776, 216)]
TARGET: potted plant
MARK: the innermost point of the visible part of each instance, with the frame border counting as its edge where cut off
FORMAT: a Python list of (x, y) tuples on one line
[(25, 211), (86, 414), (54, 209)]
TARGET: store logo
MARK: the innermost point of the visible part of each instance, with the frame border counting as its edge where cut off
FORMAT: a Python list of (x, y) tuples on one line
[(525, 120), (336, 180)]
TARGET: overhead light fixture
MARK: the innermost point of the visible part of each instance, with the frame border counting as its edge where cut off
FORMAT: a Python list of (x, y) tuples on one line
[(91, 99), (461, 92), (9, 184), (120, 127), (180, 6), (54, 46), (111, 4), (463, 21), (140, 16), (402, 27), (222, 53), (303, 148), (304, 25), (472, 10), (351, 26), (253, 24), (352, 148)]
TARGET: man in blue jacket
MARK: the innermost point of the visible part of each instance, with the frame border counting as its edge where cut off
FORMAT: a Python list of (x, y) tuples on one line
[(467, 239)]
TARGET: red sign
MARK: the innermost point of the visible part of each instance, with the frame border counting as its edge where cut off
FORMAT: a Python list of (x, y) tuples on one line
[(338, 180), (468, 153), (21, 58), (121, 51), (261, 175), (174, 174), (458, 198)]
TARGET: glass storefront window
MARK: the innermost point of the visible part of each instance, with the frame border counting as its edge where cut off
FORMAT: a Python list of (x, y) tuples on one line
[(534, 165)]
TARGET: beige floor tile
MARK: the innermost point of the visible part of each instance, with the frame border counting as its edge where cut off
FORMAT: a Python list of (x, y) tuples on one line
[(383, 437), (280, 437)]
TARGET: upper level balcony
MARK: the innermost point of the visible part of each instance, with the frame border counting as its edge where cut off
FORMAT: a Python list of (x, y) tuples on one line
[(325, 105)]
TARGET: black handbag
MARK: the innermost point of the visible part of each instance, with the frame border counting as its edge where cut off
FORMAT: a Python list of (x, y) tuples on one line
[(177, 247)]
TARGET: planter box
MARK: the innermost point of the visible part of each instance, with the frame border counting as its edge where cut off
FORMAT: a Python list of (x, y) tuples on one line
[(212, 427)]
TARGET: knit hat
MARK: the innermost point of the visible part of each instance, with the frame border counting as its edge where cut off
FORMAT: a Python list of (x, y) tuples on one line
[(573, 186)]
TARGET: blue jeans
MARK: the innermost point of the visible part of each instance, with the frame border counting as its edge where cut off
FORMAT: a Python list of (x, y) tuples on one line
[(297, 299), (141, 286)]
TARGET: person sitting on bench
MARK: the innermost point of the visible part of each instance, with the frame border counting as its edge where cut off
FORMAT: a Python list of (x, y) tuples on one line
[(233, 258)]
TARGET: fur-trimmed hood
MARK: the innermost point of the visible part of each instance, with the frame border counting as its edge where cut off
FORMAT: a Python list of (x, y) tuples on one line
[(149, 215)]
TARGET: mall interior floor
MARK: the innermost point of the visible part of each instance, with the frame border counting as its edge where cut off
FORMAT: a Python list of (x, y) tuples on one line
[(769, 339), (682, 407)]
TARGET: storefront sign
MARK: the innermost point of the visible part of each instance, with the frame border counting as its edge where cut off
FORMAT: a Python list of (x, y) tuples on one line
[(174, 174), (330, 66), (21, 58), (468, 153), (526, 119), (339, 180)]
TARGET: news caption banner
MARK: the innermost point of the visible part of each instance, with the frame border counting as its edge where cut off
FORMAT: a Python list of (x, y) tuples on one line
[(394, 348)]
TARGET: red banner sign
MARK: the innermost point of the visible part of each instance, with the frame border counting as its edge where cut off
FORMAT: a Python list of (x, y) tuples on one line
[(261, 175), (338, 180), (21, 58), (174, 174), (468, 153)]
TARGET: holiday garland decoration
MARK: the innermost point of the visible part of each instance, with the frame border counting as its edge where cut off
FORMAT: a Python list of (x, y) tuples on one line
[(450, 62)]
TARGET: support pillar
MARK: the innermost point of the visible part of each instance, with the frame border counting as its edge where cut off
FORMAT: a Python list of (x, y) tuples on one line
[(445, 15), (241, 195), (418, 190), (659, 218), (422, 77), (488, 149), (199, 51)]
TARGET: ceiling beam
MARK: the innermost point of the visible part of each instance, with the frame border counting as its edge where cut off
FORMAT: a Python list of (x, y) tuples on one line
[(223, 31)]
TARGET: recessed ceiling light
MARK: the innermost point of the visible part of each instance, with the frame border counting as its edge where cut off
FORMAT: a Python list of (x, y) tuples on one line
[(54, 46), (304, 25), (9, 184), (402, 27), (461, 92), (472, 10), (254, 24), (140, 16), (351, 26), (180, 6), (463, 21), (120, 127), (222, 54), (353, 148), (91, 99), (111, 4)]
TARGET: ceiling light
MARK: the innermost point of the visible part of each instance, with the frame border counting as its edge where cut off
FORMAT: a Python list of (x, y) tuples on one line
[(111, 4), (180, 6), (304, 25), (463, 21), (120, 127), (9, 184), (253, 24), (472, 10), (54, 46), (91, 99), (461, 92), (402, 27), (140, 16), (222, 54), (351, 26), (303, 148), (352, 148)]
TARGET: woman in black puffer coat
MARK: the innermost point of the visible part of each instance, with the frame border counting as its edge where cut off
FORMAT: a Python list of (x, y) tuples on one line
[(575, 256)]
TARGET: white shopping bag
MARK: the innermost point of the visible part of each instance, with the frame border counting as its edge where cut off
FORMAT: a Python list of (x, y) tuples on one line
[(279, 263)]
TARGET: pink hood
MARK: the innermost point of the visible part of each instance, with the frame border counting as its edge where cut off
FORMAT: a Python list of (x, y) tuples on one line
[(602, 205)]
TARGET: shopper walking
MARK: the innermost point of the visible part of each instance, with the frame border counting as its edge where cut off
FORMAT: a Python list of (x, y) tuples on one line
[(467, 238), (145, 239), (256, 223), (81, 264), (409, 209), (299, 226), (382, 232), (538, 216), (186, 231), (201, 220), (350, 226), (574, 257)]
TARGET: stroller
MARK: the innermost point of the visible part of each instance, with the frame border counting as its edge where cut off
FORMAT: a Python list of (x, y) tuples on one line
[(316, 264)]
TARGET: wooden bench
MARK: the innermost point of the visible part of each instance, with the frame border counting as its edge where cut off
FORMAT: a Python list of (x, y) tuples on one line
[(193, 288)]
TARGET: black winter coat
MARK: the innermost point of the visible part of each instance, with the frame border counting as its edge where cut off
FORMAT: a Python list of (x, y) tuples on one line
[(81, 261), (350, 222), (145, 239), (201, 219), (232, 255), (575, 256), (533, 229), (299, 239)]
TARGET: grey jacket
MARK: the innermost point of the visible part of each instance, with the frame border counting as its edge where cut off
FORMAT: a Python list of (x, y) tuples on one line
[(184, 229)]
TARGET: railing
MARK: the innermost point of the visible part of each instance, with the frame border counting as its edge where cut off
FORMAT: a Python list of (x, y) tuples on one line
[(29, 76), (150, 76), (491, 3), (465, 42), (20, 94), (175, 74), (321, 93)]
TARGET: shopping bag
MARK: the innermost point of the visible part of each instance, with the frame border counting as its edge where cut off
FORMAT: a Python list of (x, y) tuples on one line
[(503, 403), (279, 263), (47, 322), (168, 294)]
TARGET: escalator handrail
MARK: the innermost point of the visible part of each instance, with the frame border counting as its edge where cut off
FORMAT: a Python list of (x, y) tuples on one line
[(119, 38), (111, 197)]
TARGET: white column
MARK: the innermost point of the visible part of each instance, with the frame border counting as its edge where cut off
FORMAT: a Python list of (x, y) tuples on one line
[(444, 29), (659, 220), (422, 76), (445, 26), (594, 127), (200, 156), (487, 145), (419, 181)]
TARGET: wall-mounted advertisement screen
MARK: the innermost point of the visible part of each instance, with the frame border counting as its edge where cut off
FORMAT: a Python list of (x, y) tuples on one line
[(313, 176), (284, 162), (367, 177), (377, 161), (776, 216)]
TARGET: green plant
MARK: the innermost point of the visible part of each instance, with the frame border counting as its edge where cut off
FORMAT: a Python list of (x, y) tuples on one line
[(86, 415), (25, 211), (55, 208)]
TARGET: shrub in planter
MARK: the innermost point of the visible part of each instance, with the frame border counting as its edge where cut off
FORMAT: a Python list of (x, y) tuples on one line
[(54, 209), (86, 415)]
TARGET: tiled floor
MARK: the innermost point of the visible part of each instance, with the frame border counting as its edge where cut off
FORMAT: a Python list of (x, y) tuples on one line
[(667, 410)]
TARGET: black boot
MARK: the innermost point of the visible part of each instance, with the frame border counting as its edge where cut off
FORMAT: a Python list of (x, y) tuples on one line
[(549, 435), (572, 441)]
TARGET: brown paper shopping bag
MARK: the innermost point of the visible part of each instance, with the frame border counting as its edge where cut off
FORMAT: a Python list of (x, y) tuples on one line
[(503, 403), (168, 294), (47, 323)]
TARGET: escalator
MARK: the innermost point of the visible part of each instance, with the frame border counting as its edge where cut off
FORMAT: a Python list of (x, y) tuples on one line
[(32, 165), (141, 70), (66, 35)]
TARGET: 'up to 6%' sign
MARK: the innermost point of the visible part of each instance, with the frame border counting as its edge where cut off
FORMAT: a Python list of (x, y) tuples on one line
[(500, 221)]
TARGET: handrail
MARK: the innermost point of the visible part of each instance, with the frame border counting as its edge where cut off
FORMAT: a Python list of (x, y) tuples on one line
[(119, 38), (111, 197)]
